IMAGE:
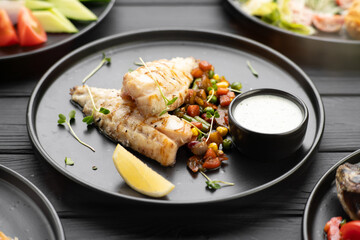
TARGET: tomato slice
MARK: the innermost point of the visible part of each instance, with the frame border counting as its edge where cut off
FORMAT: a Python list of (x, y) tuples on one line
[(30, 30), (350, 230), (8, 35)]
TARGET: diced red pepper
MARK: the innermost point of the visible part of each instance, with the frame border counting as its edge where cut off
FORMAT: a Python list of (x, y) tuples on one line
[(225, 100), (211, 163), (205, 66), (222, 91), (197, 72), (197, 124), (210, 153), (193, 110), (332, 228)]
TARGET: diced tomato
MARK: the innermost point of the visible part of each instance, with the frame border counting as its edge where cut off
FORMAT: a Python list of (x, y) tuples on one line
[(231, 95), (211, 163), (197, 72), (332, 228), (197, 124), (222, 91), (8, 35), (327, 23), (350, 230), (210, 153), (205, 66), (225, 100), (209, 104), (30, 30), (193, 110)]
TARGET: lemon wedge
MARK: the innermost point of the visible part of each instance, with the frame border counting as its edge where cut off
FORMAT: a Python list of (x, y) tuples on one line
[(139, 176)]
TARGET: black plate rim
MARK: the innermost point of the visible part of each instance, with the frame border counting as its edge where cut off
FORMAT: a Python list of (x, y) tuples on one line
[(38, 148), (319, 185), (56, 224), (254, 19), (65, 41)]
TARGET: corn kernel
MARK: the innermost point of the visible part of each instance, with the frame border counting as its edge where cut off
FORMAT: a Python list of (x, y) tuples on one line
[(220, 153), (222, 130), (216, 77), (194, 132), (222, 85), (211, 92), (214, 146)]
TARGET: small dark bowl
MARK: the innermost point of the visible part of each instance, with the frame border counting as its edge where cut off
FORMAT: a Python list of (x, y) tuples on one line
[(267, 145)]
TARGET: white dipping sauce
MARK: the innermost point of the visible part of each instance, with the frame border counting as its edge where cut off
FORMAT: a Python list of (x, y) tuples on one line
[(268, 114)]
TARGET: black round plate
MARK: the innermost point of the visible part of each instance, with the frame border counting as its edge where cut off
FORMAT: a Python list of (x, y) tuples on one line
[(58, 39), (20, 204), (302, 49), (323, 203), (228, 53)]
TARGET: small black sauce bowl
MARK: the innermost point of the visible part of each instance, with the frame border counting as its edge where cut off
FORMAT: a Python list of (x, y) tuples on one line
[(267, 145)]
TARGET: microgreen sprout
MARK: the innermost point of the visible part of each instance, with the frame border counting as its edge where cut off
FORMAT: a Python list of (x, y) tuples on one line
[(62, 120), (209, 115), (105, 60), (214, 184), (167, 101), (68, 161), (234, 90), (195, 127), (252, 69), (138, 64), (212, 94), (90, 119)]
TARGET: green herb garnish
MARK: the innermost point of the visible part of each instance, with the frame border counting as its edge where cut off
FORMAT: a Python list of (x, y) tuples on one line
[(214, 184), (62, 120), (68, 161), (252, 69), (167, 101), (105, 60), (90, 119)]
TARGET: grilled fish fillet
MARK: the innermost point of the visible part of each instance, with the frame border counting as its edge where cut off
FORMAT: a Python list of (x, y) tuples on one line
[(157, 137), (174, 77)]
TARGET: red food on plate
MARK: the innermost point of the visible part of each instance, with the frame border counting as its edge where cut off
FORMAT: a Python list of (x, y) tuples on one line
[(350, 231), (8, 35), (30, 30)]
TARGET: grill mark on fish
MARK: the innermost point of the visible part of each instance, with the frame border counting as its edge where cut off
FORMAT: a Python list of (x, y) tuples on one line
[(126, 125)]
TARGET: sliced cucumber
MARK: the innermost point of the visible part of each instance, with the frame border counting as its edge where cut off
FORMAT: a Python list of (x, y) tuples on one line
[(54, 21), (74, 9), (37, 5)]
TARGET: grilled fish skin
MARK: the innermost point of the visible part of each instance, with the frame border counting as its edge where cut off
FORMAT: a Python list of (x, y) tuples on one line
[(157, 138), (174, 77)]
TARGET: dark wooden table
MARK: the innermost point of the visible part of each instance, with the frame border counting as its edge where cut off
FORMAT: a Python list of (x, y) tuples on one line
[(86, 214)]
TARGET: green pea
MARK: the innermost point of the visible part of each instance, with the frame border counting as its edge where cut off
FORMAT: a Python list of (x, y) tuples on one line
[(236, 86), (213, 99), (211, 74), (227, 143), (209, 110), (213, 82)]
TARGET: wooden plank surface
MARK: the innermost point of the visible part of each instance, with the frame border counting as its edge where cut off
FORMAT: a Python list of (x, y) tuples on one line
[(86, 214)]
